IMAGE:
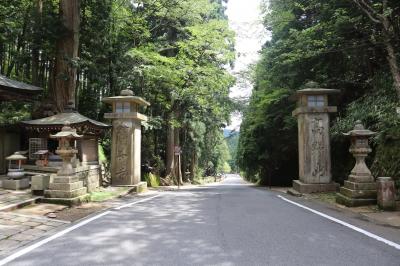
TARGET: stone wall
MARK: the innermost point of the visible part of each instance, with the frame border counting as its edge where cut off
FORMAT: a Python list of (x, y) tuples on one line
[(90, 175)]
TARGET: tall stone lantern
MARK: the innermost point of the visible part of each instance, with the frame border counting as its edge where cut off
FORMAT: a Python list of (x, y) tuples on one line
[(65, 187), (360, 188), (313, 136), (126, 137)]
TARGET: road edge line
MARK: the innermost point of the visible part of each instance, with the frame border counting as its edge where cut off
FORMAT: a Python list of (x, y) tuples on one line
[(136, 202), (355, 228), (65, 231)]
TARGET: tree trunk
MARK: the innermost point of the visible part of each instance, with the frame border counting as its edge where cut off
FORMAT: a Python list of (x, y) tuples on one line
[(391, 55), (193, 163), (63, 82), (36, 43), (170, 160), (177, 170)]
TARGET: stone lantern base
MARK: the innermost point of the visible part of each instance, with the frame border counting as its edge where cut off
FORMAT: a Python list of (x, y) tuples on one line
[(314, 188), (15, 184), (354, 194), (67, 190)]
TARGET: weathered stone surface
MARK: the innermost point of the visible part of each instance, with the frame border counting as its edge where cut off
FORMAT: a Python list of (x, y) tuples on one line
[(6, 244), (360, 189), (65, 194), (386, 194), (142, 187), (352, 202), (314, 143), (68, 201), (90, 176), (126, 139), (358, 194), (360, 186), (65, 179), (314, 188), (66, 186), (15, 184), (125, 152), (40, 182)]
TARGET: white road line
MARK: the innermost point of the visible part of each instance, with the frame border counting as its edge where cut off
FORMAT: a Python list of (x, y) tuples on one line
[(136, 202), (355, 228), (65, 231)]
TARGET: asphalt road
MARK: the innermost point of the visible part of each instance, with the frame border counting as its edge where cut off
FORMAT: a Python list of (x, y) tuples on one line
[(231, 223)]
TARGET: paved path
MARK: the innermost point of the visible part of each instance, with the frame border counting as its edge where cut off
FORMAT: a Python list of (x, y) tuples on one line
[(9, 197), (228, 224), (18, 230)]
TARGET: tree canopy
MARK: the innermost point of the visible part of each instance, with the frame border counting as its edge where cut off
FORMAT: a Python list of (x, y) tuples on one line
[(176, 54), (336, 44)]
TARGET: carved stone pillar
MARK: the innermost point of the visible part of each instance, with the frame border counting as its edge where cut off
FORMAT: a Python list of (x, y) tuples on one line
[(314, 143), (126, 138)]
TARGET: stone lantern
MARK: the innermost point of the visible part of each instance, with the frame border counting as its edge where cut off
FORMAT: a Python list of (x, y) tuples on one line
[(16, 175), (360, 188), (15, 169), (126, 137), (314, 143), (66, 187)]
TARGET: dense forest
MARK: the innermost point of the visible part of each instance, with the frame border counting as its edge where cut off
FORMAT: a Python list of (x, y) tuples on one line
[(347, 45), (174, 53)]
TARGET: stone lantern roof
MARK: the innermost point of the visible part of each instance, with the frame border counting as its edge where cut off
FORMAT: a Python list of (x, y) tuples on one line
[(66, 132), (16, 157), (126, 96), (360, 131), (314, 88)]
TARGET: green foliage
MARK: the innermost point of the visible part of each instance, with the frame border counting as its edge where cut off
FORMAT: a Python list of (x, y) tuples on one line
[(334, 43), (173, 53), (152, 180), (233, 142), (14, 112)]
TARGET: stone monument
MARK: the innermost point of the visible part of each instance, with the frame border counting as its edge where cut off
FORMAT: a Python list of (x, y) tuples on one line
[(360, 188), (314, 144), (65, 187), (386, 193), (126, 138)]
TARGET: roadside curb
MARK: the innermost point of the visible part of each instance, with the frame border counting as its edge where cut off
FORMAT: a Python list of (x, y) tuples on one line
[(21, 204)]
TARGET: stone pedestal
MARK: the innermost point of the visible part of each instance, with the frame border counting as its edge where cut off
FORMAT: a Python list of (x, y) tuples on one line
[(39, 183), (15, 184), (314, 142), (386, 193), (360, 188), (354, 194), (314, 188), (126, 138)]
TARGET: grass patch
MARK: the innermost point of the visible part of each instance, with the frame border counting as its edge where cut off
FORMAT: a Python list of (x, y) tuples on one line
[(152, 180), (204, 180), (104, 194), (328, 197)]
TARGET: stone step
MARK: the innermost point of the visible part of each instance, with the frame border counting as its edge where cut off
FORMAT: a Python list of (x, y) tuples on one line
[(358, 194), (360, 186), (65, 179), (65, 194), (351, 202), (66, 186)]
